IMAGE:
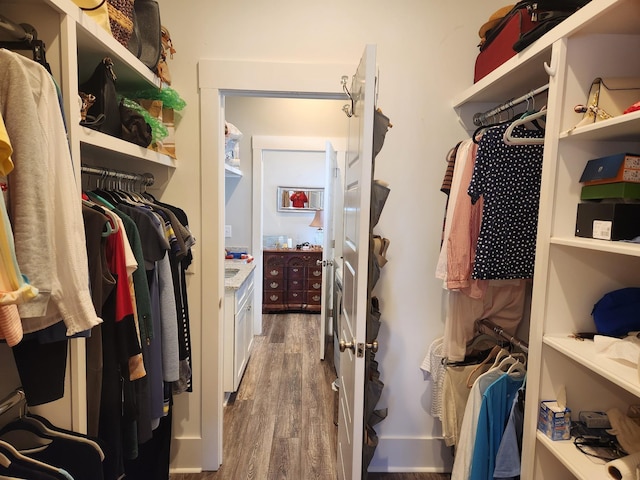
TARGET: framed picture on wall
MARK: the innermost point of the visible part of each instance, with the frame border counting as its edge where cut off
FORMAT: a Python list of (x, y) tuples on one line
[(300, 199)]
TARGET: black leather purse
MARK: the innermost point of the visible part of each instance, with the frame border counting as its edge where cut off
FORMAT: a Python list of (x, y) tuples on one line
[(104, 114), (135, 128)]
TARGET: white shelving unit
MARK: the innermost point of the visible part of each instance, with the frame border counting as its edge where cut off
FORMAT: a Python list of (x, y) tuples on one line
[(571, 273), (75, 44), (232, 172)]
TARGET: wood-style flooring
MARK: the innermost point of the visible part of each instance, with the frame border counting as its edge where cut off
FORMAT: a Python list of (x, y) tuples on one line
[(280, 424)]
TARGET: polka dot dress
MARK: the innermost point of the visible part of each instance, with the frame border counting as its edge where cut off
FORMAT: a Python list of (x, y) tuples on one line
[(508, 178)]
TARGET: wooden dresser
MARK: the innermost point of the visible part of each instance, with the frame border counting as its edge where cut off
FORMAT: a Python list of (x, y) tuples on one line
[(292, 280)]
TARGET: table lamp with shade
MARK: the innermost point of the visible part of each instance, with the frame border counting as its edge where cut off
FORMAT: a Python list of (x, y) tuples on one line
[(318, 222)]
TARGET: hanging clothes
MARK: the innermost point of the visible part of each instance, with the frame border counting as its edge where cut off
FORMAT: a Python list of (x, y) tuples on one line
[(465, 451), (14, 286), (508, 179), (51, 252)]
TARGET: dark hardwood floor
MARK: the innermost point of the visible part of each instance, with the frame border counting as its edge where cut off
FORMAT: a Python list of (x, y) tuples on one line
[(280, 423)]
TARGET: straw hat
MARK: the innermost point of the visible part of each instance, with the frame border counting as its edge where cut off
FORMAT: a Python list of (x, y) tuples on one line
[(494, 19)]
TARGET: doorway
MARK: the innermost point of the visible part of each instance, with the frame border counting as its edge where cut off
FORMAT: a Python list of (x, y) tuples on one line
[(219, 80)]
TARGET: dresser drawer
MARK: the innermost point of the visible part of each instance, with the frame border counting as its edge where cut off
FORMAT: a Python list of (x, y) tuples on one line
[(314, 298), (314, 273), (295, 272), (273, 284), (273, 272), (275, 297), (295, 284), (296, 298)]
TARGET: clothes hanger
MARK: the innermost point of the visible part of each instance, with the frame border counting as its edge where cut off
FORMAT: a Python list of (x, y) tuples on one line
[(476, 134), (493, 354), (502, 354), (8, 449), (510, 140), (105, 207), (46, 427), (108, 229), (517, 367)]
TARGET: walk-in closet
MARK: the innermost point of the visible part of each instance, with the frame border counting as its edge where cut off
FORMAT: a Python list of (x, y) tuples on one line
[(437, 306)]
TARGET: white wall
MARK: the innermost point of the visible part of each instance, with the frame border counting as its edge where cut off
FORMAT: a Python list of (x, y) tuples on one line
[(271, 117), (426, 51), (290, 169)]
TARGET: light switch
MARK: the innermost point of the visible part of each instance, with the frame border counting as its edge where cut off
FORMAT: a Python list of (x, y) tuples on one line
[(227, 231)]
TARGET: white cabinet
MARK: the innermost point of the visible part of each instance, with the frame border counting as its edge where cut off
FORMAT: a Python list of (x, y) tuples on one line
[(571, 273), (238, 332)]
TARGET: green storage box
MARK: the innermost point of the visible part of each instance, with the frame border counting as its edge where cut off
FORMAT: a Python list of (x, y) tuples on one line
[(623, 190)]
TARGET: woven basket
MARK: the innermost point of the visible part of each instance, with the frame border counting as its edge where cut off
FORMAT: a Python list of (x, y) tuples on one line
[(121, 16)]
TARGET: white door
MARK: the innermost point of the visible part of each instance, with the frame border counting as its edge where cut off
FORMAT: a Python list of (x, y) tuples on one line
[(331, 166), (358, 177)]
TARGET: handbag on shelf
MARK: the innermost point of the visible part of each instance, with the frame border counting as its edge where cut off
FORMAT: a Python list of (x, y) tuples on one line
[(167, 50), (135, 128), (104, 114), (146, 40), (121, 19), (608, 98), (96, 9)]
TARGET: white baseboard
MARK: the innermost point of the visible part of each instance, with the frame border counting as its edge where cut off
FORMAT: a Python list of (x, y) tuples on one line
[(186, 455), (417, 454)]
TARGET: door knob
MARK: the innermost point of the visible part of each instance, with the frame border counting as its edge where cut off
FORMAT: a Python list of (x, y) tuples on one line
[(373, 346), (347, 345)]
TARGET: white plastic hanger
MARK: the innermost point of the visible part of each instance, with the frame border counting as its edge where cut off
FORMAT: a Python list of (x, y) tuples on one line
[(509, 140), (517, 367)]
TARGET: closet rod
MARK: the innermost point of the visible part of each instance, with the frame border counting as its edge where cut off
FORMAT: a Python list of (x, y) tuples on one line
[(15, 30), (480, 118), (15, 398), (145, 179), (521, 344)]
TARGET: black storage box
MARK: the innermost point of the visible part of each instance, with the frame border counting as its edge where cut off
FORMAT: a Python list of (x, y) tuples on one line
[(608, 221)]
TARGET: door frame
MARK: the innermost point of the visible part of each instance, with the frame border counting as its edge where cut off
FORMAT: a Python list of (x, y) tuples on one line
[(260, 144), (217, 79)]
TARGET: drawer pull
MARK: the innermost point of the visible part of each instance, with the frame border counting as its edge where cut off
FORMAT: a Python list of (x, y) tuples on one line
[(316, 285), (316, 298), (317, 273), (273, 298), (274, 272), (274, 285)]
